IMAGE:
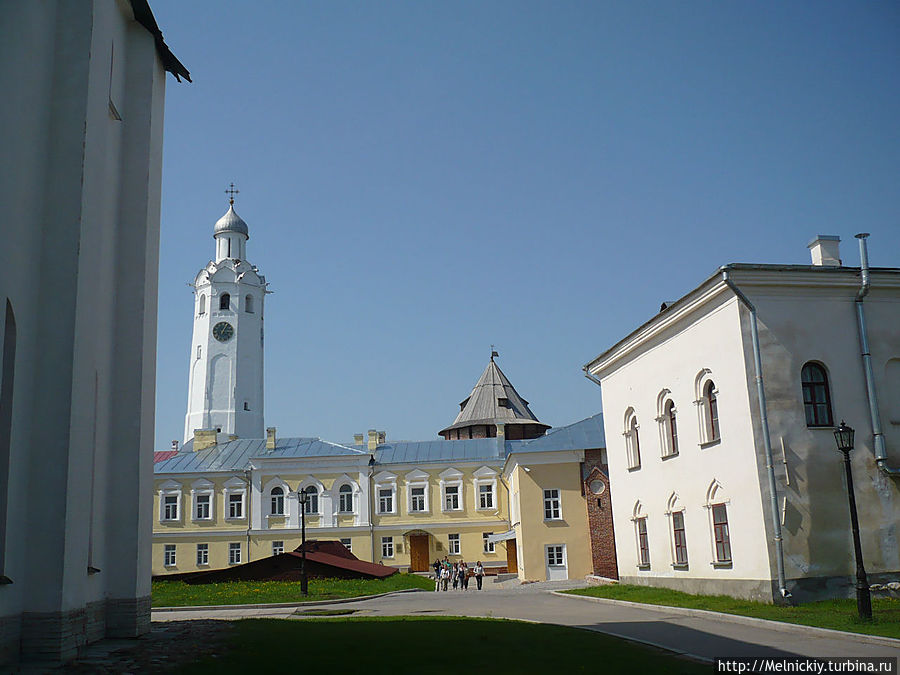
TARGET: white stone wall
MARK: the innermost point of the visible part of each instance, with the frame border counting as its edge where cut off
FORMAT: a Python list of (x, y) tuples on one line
[(79, 267)]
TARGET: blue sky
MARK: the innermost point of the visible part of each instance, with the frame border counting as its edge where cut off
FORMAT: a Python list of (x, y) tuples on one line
[(424, 179)]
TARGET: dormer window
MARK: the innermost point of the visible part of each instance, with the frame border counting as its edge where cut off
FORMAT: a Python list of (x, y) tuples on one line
[(503, 402)]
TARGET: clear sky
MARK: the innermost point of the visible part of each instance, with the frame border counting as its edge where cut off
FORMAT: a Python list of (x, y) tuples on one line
[(424, 179)]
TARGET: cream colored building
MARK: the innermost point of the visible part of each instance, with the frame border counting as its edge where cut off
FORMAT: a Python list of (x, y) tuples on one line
[(696, 507)]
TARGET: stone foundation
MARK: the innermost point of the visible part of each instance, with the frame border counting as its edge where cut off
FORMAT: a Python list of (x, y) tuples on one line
[(53, 637)]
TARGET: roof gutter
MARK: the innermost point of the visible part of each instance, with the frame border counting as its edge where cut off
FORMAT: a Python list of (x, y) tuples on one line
[(591, 377), (878, 440), (767, 440)]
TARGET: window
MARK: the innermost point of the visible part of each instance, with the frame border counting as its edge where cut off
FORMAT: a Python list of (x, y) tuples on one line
[(169, 555), (387, 547), (453, 544), (385, 500), (247, 405), (202, 507), (485, 496), (248, 304), (417, 499), (551, 505), (556, 556), (643, 543), (202, 307), (679, 538), (236, 505), (225, 301), (7, 376), (277, 547), (488, 545), (170, 507), (451, 497), (720, 533), (711, 404), (234, 554), (347, 544), (632, 441), (199, 351), (670, 429), (312, 500), (202, 554), (277, 499), (345, 499), (816, 396)]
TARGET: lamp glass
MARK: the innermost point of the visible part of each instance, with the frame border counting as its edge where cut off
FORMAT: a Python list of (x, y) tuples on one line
[(303, 497), (843, 436)]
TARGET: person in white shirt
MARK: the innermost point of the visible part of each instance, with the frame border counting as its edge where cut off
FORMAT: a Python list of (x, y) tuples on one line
[(479, 574)]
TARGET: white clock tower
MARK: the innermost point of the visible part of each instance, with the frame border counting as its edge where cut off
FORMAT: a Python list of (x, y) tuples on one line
[(225, 390)]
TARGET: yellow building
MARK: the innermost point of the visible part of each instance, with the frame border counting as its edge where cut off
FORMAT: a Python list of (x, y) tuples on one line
[(221, 501)]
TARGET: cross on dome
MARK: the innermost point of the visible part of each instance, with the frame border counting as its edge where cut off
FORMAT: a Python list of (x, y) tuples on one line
[(231, 192)]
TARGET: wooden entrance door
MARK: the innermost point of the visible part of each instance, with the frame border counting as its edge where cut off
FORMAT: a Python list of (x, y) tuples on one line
[(512, 562), (418, 553)]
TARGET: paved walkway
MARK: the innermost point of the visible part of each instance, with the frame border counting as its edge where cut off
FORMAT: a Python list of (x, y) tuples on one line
[(700, 637)]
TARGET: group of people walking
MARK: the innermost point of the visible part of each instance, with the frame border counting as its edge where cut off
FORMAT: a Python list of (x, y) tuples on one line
[(457, 574)]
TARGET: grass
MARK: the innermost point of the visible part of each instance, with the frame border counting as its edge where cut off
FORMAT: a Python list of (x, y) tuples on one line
[(431, 645), (835, 614), (180, 594)]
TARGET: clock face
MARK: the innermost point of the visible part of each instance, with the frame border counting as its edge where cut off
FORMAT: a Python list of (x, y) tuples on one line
[(223, 331)]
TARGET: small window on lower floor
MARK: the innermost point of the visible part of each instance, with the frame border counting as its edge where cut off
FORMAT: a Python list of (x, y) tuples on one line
[(347, 544), (387, 547), (556, 556), (453, 544), (721, 534), (643, 543), (277, 547), (169, 555), (203, 554), (488, 545), (234, 554)]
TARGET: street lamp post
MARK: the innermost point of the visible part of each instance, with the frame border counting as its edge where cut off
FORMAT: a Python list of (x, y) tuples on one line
[(303, 498), (843, 436)]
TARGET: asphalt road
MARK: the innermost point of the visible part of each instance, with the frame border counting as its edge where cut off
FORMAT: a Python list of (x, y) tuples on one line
[(700, 637)]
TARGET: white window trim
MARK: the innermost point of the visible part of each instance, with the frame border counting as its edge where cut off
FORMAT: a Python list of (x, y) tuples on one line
[(348, 545), (703, 412), (667, 446), (196, 555), (450, 543), (418, 479), (169, 489), (170, 548), (716, 494), (565, 556), (277, 541), (393, 547), (486, 476), (385, 481), (637, 515), (674, 506), (239, 549), (558, 503), (203, 488), (452, 478), (487, 547), (632, 441), (355, 493), (235, 486), (267, 497), (312, 482)]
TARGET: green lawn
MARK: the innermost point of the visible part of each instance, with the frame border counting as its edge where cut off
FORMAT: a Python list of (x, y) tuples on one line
[(431, 645), (180, 594), (836, 614)]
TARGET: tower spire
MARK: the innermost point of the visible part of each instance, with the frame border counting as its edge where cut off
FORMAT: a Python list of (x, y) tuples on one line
[(231, 192)]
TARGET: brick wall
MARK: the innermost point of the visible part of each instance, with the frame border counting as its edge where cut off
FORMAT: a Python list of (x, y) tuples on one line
[(600, 522)]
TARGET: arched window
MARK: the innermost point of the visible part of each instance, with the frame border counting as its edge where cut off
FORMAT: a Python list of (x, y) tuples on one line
[(816, 396), (312, 500), (225, 301), (277, 501), (345, 499), (248, 304), (671, 429), (632, 442), (202, 309), (711, 404)]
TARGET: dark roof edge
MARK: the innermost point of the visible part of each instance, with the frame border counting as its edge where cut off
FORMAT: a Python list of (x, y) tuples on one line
[(144, 16)]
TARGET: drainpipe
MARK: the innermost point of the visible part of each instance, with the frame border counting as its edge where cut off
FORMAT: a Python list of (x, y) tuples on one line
[(880, 451), (372, 504), (249, 475), (767, 441)]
